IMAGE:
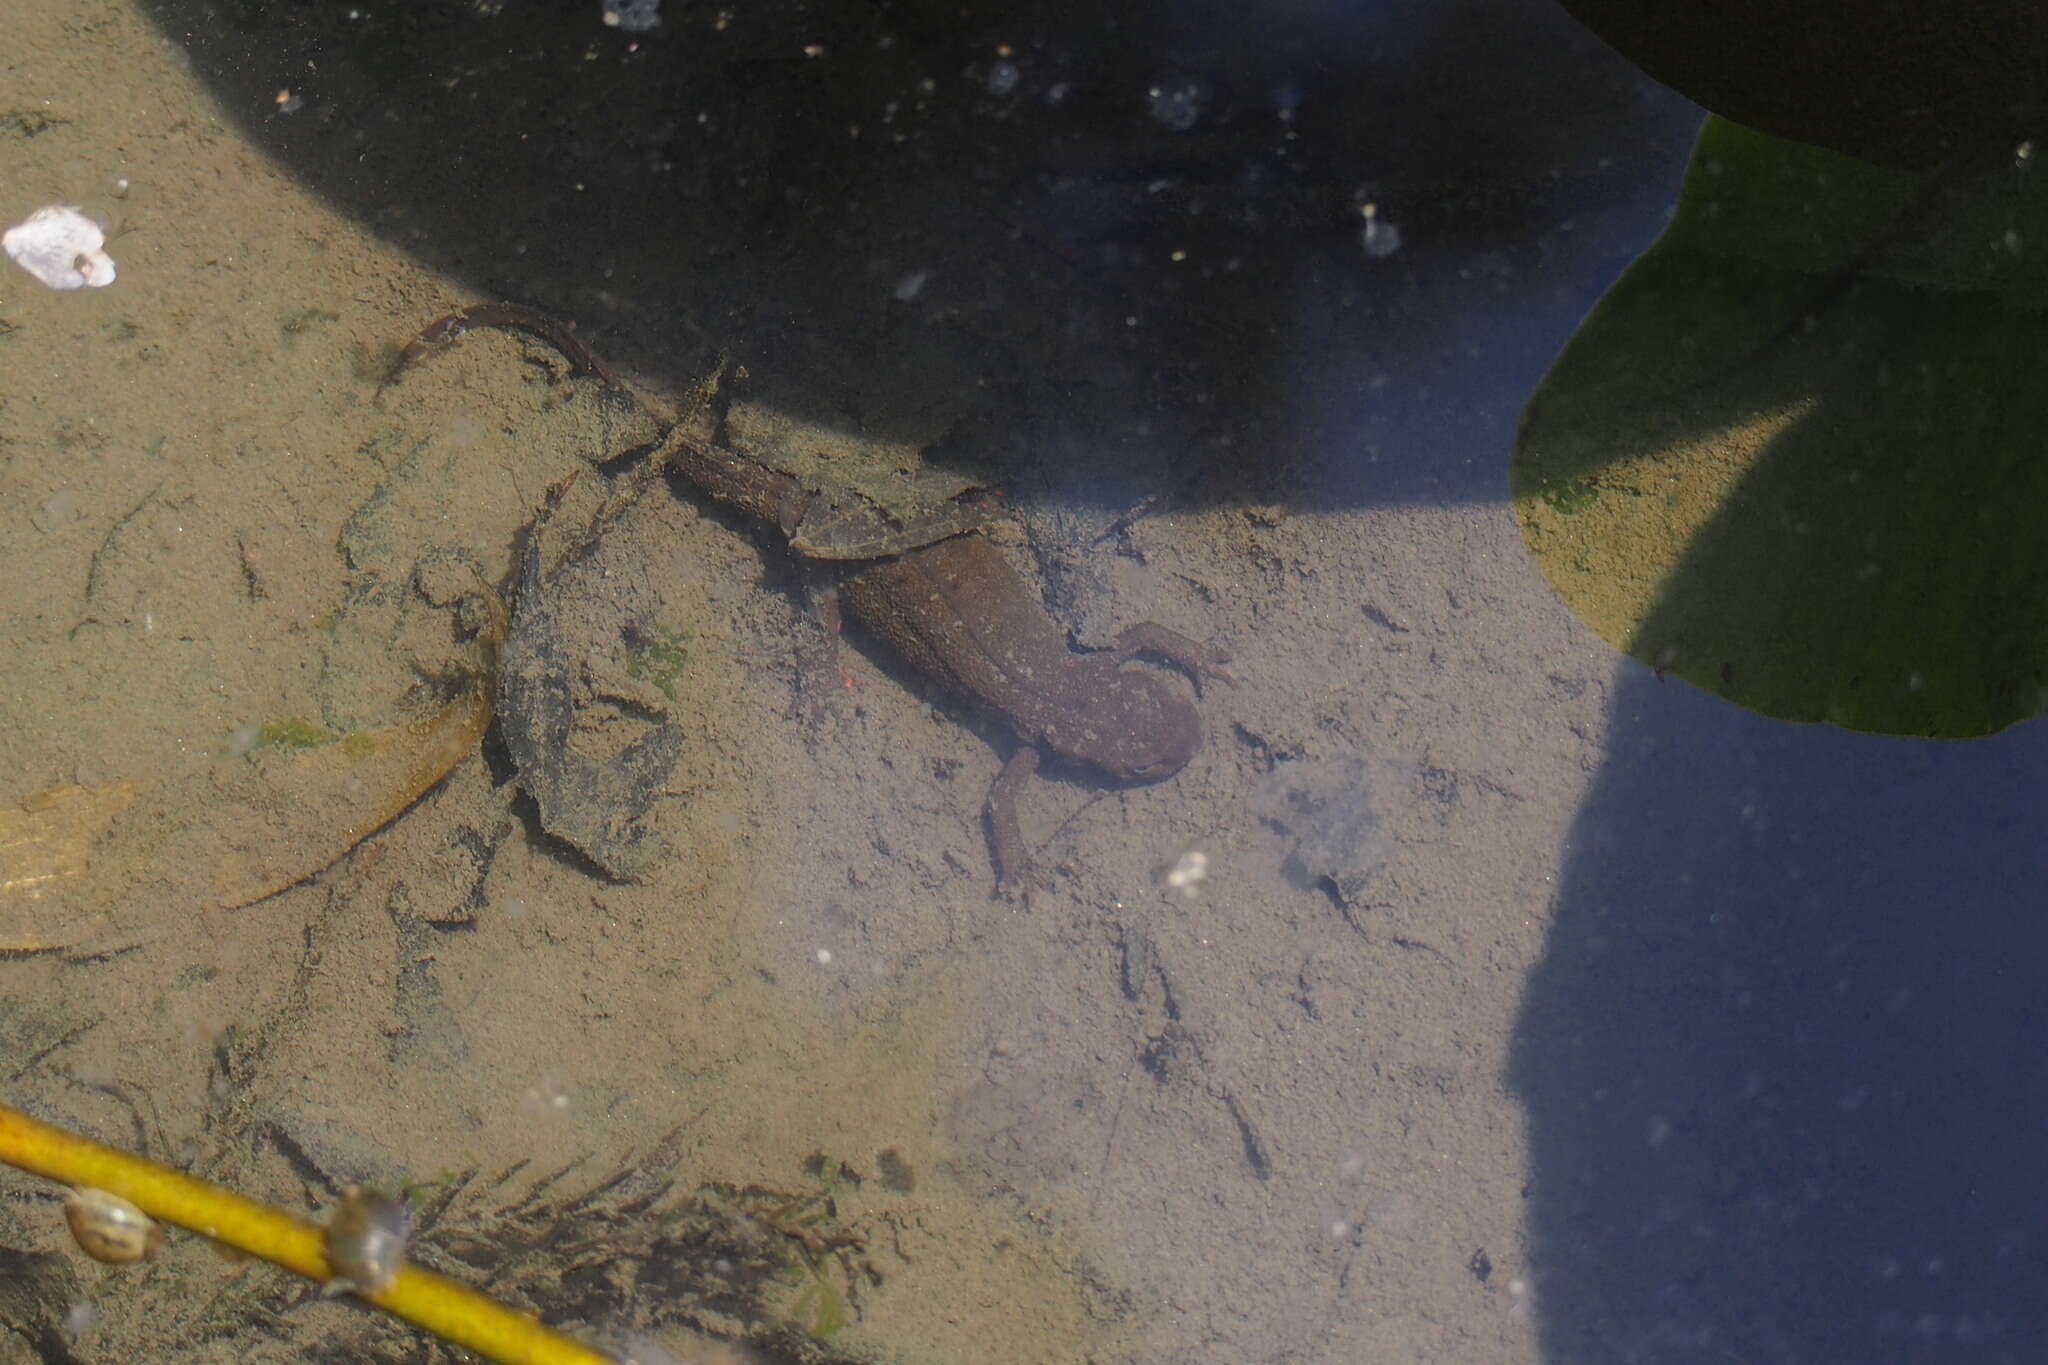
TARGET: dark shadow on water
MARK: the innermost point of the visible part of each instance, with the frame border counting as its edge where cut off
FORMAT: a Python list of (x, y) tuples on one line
[(1786, 1058), (1132, 235)]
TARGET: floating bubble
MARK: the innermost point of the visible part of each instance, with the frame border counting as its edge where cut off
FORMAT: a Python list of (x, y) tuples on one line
[(61, 247), (1003, 78), (1179, 104), (1379, 237), (634, 16)]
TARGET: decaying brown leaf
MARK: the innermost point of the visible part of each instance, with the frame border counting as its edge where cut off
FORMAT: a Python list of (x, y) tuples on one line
[(299, 812), (44, 839)]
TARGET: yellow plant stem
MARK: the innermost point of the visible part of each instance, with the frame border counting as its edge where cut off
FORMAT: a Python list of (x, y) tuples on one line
[(427, 1300)]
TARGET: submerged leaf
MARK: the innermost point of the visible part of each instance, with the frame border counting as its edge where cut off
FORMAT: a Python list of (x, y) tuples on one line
[(44, 839), (300, 806), (593, 759), (1795, 456)]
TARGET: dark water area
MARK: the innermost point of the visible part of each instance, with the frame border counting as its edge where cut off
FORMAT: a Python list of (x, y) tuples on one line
[(1783, 1058)]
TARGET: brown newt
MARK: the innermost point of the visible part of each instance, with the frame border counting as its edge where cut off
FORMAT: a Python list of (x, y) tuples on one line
[(958, 611)]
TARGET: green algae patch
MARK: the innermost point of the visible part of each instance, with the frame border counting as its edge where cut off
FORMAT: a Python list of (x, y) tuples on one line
[(1796, 455), (297, 735), (659, 657), (294, 734)]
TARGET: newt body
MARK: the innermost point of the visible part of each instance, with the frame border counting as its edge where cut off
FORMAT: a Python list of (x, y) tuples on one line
[(958, 612)]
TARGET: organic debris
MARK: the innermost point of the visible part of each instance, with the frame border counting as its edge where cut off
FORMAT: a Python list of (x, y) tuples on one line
[(450, 1310), (638, 1253), (46, 836), (322, 793), (659, 656), (593, 745)]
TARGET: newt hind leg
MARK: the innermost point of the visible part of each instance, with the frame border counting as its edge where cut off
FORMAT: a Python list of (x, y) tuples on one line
[(1015, 874)]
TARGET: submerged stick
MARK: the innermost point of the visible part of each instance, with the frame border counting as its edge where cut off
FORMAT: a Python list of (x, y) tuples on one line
[(450, 1311)]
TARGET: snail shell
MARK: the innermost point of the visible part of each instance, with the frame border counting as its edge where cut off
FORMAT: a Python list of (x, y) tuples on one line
[(366, 1240), (108, 1227)]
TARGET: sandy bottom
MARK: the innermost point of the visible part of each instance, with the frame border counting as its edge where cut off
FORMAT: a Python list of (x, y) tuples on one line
[(1254, 1115)]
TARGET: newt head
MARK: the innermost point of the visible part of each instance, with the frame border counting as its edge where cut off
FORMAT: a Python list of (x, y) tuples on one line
[(1135, 727)]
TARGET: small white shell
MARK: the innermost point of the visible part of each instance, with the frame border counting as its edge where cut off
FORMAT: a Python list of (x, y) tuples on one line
[(61, 247), (108, 1227), (366, 1240)]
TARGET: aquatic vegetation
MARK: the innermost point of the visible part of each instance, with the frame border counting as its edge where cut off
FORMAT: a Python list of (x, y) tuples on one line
[(823, 1248), (819, 1307), (660, 656), (293, 734)]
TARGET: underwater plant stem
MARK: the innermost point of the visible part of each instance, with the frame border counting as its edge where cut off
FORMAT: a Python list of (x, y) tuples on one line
[(426, 1300)]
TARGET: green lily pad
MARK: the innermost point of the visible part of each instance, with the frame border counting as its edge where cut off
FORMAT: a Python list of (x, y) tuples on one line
[(1798, 456)]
